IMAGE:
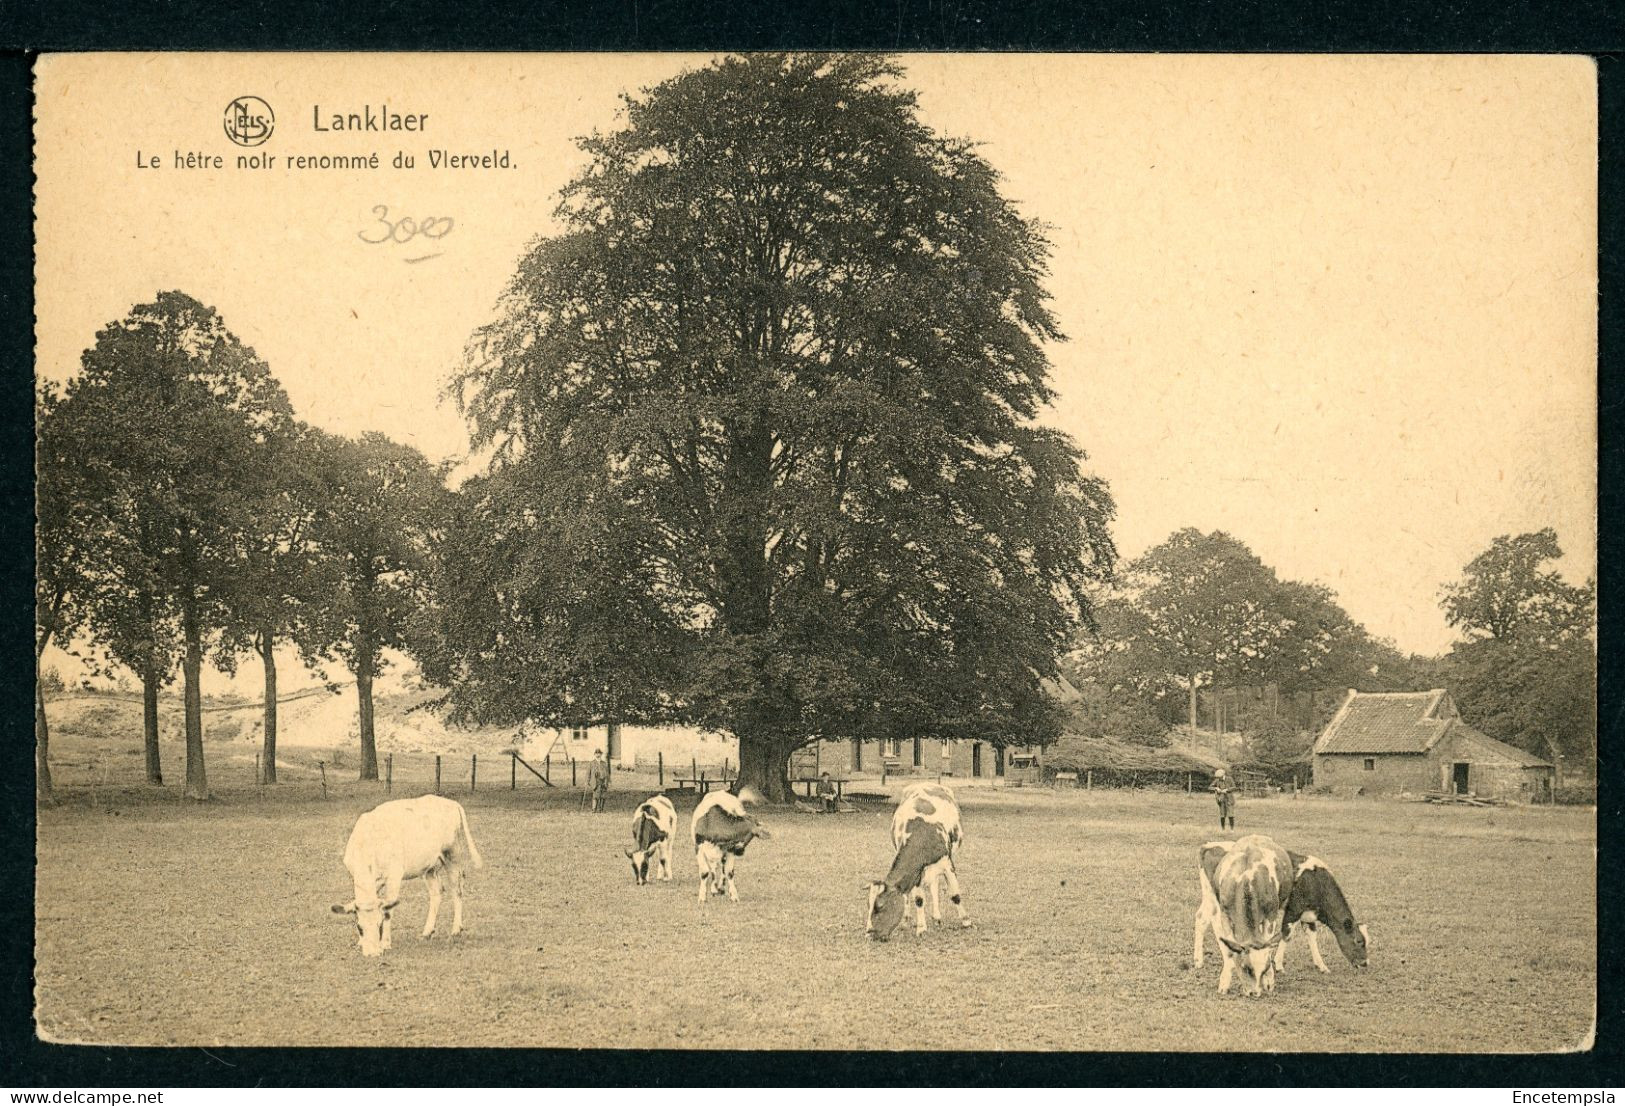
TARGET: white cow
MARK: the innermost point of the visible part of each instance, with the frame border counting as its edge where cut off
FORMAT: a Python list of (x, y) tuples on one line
[(406, 839), (720, 830), (1245, 886), (926, 833), (654, 824)]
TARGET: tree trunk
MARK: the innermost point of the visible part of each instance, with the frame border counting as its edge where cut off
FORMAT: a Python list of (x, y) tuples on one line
[(149, 718), (764, 763), (197, 780), (363, 690), (1193, 701), (268, 658), (42, 745)]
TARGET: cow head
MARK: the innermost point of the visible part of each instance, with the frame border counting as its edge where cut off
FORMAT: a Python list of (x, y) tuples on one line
[(886, 907), (640, 864), (371, 925), (1352, 939), (1257, 964)]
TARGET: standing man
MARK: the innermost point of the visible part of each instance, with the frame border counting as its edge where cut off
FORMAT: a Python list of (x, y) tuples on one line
[(598, 780), (1225, 793)]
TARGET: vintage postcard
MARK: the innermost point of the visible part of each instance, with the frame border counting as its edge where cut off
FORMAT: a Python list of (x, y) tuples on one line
[(818, 551)]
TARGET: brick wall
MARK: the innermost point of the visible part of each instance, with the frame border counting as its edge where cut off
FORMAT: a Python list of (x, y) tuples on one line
[(1389, 775)]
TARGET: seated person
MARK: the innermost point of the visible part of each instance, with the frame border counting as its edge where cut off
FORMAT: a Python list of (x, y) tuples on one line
[(827, 792)]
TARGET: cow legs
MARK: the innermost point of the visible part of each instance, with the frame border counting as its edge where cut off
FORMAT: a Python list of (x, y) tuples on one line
[(955, 897), (728, 876), (1314, 950), (1280, 950), (701, 862), (391, 897), (664, 856), (1224, 975), (434, 881), (936, 892), (1199, 945), (455, 877)]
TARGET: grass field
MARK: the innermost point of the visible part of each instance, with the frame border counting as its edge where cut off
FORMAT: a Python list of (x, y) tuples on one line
[(161, 922)]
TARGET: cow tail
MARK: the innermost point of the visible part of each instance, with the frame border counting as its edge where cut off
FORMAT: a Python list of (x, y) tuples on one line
[(473, 853)]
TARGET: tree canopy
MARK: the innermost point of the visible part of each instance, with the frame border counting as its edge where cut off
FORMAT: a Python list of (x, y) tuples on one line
[(762, 427), (1526, 671)]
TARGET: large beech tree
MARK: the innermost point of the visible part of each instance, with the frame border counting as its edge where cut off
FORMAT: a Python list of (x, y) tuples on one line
[(761, 419)]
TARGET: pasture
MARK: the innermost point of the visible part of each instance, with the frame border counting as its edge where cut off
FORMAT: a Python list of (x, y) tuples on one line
[(164, 923)]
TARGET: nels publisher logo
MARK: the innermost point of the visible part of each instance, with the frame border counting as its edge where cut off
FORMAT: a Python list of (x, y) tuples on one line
[(249, 120)]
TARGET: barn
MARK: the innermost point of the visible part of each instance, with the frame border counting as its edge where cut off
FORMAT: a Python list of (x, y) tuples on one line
[(1386, 743)]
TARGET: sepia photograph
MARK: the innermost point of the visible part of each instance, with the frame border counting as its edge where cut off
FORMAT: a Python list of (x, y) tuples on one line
[(799, 551)]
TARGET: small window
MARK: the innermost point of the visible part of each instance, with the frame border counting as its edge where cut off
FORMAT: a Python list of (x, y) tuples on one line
[(1370, 764), (578, 733)]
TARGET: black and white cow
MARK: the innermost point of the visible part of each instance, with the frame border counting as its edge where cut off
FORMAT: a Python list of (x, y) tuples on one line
[(720, 829), (926, 833), (654, 824), (1317, 900), (1245, 887), (405, 839)]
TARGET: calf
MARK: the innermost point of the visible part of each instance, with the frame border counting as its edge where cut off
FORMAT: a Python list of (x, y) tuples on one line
[(653, 825), (1317, 900), (721, 829), (406, 839), (926, 833), (1245, 887)]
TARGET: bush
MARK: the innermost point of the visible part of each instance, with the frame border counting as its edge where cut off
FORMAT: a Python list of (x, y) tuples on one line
[(51, 681), (1575, 794)]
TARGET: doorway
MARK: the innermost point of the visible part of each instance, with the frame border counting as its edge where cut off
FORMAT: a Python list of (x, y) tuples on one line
[(998, 760), (976, 759), (1459, 777)]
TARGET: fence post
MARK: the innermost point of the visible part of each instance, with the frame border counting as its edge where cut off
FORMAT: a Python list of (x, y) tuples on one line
[(572, 771), (258, 779), (322, 764), (474, 772), (694, 769), (437, 773), (547, 768), (513, 773), (660, 766), (1089, 779), (883, 769), (1187, 783), (389, 773)]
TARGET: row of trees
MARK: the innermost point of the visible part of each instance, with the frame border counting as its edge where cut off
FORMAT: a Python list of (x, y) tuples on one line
[(1201, 616), (764, 456), (184, 514)]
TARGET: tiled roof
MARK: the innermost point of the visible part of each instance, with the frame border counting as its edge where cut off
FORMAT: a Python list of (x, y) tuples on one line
[(1511, 752), (1385, 722)]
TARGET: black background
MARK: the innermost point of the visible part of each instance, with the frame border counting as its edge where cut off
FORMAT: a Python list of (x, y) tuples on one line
[(1590, 27)]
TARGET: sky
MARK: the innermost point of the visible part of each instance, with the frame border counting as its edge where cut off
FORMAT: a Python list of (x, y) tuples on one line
[(1343, 308)]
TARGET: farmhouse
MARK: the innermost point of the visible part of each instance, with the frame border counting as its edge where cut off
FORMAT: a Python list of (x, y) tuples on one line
[(1415, 741)]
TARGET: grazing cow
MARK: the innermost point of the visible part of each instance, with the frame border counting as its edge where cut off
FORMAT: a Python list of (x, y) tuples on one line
[(926, 834), (1316, 900), (401, 840), (720, 830), (1245, 887), (653, 825)]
